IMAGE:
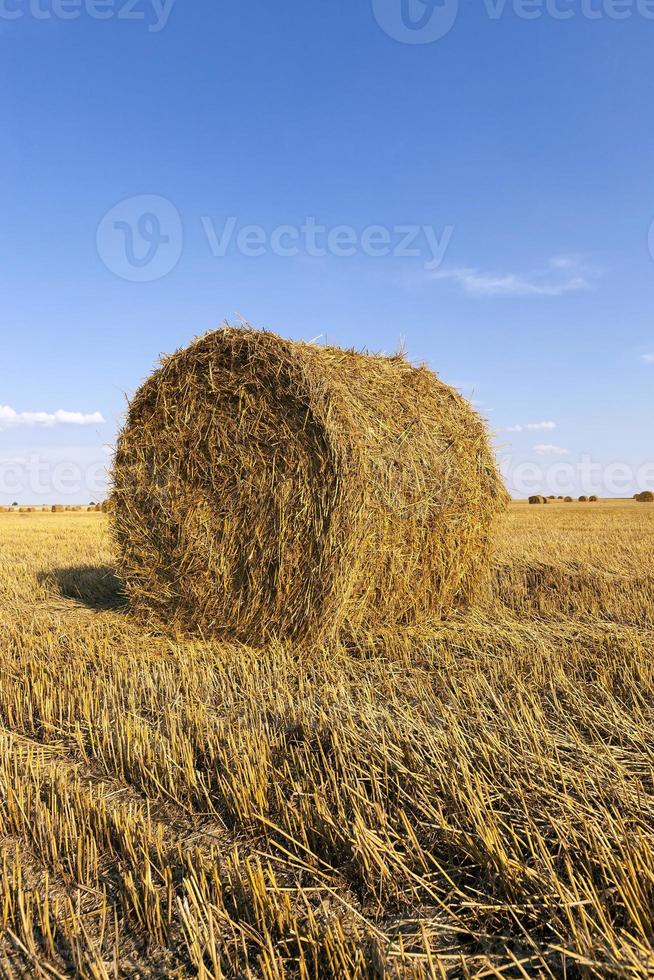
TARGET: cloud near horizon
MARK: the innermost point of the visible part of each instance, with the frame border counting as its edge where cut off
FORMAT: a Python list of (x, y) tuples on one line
[(547, 449), (10, 418), (564, 274), (532, 427)]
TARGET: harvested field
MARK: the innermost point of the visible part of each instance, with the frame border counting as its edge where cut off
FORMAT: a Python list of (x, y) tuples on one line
[(471, 800)]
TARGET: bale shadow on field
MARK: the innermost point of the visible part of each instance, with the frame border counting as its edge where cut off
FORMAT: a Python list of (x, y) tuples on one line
[(95, 586)]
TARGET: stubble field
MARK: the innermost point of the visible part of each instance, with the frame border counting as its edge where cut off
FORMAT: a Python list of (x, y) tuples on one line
[(472, 801)]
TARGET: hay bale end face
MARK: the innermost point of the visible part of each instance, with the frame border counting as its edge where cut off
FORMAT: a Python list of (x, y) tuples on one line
[(265, 487), (583, 500), (537, 499), (646, 497)]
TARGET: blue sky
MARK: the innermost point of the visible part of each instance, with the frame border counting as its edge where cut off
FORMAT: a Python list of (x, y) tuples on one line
[(167, 166)]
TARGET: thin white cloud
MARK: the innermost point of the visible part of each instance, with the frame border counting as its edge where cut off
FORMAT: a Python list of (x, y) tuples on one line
[(564, 274), (547, 449), (10, 418), (648, 358), (532, 427), (572, 261)]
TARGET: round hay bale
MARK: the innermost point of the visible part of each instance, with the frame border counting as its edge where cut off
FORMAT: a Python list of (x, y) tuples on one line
[(646, 497), (536, 499), (568, 500), (592, 499), (265, 487), (583, 500), (57, 508)]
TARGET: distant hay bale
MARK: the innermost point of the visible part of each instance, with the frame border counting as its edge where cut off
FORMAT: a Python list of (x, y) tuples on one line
[(593, 499), (646, 497), (98, 508), (582, 500), (537, 499), (568, 500), (265, 487), (57, 508)]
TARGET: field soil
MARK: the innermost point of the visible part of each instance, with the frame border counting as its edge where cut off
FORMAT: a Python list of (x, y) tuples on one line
[(475, 799)]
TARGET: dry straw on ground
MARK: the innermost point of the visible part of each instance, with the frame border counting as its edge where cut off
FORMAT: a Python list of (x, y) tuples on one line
[(265, 487), (475, 803)]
